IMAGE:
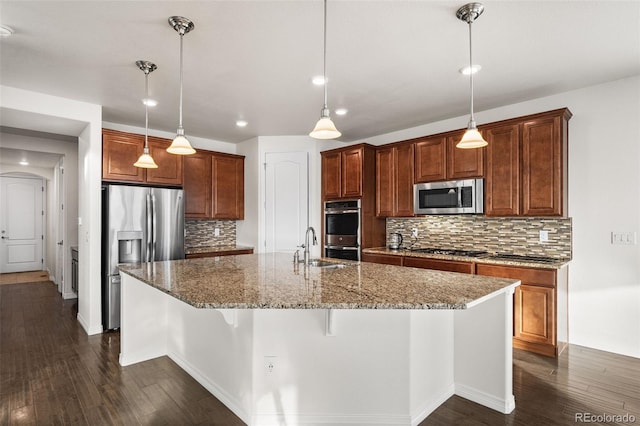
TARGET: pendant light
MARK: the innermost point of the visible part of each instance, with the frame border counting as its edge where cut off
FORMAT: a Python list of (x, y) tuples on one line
[(180, 144), (146, 161), (472, 137), (325, 129)]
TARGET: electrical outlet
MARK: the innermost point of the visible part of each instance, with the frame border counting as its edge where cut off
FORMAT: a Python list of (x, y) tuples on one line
[(625, 238), (269, 364), (414, 232), (544, 236), (216, 232)]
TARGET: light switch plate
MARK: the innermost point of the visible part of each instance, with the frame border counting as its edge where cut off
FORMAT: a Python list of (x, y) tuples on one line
[(544, 236), (624, 238)]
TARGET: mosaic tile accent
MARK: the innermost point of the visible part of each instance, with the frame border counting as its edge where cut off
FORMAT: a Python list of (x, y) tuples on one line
[(506, 235), (200, 233)]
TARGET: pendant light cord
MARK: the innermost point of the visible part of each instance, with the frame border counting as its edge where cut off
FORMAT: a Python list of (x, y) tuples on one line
[(180, 122), (472, 121), (324, 59), (146, 110)]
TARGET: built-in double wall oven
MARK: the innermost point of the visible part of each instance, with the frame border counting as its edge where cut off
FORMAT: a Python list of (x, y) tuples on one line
[(342, 229)]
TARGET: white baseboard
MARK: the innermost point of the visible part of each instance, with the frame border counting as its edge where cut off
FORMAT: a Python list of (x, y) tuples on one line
[(329, 419), (229, 401), (430, 406), (85, 325), (136, 357), (483, 398), (69, 295)]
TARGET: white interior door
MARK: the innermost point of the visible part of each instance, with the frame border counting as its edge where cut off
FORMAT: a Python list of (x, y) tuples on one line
[(21, 217), (286, 200)]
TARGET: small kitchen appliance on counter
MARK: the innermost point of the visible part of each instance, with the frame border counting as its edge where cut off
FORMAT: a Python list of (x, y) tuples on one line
[(395, 241)]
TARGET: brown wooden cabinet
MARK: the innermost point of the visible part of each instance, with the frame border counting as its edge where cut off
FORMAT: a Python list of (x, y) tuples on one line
[(349, 173), (386, 259), (439, 264), (121, 149), (394, 181), (219, 253), (214, 186), (437, 159), (527, 165), (540, 323), (343, 171)]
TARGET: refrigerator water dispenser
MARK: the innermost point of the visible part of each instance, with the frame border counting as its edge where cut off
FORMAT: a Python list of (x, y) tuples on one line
[(129, 246)]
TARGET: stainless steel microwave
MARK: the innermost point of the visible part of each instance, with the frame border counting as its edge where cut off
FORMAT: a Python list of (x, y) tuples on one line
[(450, 197)]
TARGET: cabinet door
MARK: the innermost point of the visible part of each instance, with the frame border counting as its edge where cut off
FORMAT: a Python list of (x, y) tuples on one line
[(502, 178), (331, 175), (535, 314), (169, 171), (430, 162), (197, 185), (403, 177), (385, 193), (228, 187), (352, 165), (463, 163), (542, 167), (119, 151)]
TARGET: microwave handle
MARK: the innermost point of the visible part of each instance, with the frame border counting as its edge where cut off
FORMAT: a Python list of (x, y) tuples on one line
[(459, 197)]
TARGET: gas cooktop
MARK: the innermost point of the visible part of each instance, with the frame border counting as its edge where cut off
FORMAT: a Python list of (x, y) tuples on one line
[(450, 252), (484, 254)]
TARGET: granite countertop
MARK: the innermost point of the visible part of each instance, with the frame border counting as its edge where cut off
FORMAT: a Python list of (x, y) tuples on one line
[(215, 249), (272, 281), (480, 259)]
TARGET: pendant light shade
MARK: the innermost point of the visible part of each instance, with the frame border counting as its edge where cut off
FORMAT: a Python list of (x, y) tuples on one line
[(472, 137), (325, 129), (180, 144), (146, 161)]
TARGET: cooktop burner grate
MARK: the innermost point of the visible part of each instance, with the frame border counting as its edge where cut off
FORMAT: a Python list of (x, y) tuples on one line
[(450, 252)]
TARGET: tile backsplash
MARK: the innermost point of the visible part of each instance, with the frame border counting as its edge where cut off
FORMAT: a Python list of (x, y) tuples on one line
[(511, 235), (201, 233)]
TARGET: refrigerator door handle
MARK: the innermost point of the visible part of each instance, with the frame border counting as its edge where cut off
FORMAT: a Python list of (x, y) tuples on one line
[(149, 256), (153, 243)]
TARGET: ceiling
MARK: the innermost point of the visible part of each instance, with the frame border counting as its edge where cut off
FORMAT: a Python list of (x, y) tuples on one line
[(45, 160), (392, 64)]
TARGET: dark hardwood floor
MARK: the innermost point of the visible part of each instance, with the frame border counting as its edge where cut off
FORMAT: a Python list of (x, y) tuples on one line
[(51, 372)]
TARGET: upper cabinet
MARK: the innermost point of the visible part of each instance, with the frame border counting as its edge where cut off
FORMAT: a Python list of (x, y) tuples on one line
[(527, 165), (120, 150), (214, 186), (344, 171), (394, 180), (437, 159)]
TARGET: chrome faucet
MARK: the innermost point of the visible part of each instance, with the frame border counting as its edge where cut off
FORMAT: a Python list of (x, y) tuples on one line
[(306, 243)]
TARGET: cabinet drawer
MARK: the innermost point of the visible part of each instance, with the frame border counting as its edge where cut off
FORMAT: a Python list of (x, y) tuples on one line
[(382, 258), (531, 276), (440, 265)]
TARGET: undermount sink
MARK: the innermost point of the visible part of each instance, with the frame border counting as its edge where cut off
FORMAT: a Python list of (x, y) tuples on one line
[(319, 263)]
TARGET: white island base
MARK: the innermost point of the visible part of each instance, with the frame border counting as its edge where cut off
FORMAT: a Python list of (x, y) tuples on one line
[(328, 366)]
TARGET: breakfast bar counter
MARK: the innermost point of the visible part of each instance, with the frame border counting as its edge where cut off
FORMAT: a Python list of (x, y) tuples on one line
[(345, 342)]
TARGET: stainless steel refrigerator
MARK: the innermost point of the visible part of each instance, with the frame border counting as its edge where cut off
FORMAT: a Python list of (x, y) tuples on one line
[(139, 224)]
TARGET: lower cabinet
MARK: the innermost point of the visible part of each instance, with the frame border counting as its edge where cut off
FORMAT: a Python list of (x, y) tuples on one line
[(382, 258), (218, 253), (539, 308), (540, 303), (440, 265)]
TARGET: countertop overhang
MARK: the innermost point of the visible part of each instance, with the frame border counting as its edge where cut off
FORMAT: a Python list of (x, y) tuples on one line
[(273, 281)]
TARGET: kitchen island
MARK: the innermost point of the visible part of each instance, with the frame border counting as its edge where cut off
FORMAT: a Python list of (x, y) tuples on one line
[(356, 343)]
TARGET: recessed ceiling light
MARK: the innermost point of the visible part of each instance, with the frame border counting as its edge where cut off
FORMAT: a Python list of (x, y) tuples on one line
[(241, 123), (24, 163), (5, 31), (318, 80), (470, 69), (341, 111), (150, 102)]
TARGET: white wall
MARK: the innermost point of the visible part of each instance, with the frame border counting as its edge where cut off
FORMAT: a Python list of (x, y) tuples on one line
[(87, 119), (604, 196), (69, 150), (248, 230)]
